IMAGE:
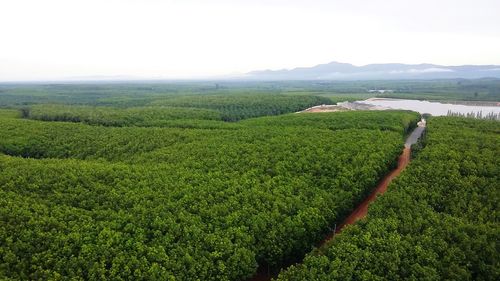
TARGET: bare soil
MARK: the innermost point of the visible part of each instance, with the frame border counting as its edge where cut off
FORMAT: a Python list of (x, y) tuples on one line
[(358, 213), (362, 209), (324, 108)]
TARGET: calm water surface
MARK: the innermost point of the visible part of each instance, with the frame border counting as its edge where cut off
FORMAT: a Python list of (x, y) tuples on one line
[(434, 108)]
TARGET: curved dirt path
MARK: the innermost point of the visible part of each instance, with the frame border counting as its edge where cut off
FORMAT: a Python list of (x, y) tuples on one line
[(362, 209)]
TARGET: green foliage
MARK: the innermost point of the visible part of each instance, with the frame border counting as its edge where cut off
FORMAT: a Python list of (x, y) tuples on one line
[(122, 203), (237, 107), (119, 117), (132, 94), (391, 120), (147, 110), (438, 221)]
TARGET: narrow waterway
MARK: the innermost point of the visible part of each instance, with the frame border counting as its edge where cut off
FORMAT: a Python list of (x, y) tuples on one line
[(362, 209)]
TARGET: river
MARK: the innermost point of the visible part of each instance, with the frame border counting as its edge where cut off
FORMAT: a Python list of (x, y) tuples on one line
[(434, 108)]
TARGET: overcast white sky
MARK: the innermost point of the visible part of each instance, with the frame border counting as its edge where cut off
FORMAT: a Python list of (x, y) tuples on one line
[(55, 39)]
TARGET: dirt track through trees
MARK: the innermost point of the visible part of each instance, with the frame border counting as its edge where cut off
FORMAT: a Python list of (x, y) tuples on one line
[(362, 209)]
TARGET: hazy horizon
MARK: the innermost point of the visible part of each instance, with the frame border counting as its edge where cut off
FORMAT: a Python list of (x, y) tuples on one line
[(57, 39)]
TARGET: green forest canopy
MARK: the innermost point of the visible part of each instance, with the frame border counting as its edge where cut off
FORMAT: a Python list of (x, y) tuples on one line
[(438, 221), (113, 182), (87, 202)]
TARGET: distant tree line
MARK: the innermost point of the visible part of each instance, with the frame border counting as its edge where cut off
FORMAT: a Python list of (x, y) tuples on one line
[(477, 115)]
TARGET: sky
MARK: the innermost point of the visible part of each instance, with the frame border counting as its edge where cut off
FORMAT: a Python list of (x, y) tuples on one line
[(72, 39)]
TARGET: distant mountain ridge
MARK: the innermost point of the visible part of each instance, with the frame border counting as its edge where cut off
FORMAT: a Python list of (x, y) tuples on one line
[(387, 71)]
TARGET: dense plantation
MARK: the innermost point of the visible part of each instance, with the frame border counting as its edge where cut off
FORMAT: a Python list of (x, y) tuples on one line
[(156, 104), (152, 116), (86, 202), (438, 221), (162, 111), (236, 107), (347, 120)]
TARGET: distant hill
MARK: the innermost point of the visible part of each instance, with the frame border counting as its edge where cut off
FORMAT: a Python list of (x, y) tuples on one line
[(388, 71)]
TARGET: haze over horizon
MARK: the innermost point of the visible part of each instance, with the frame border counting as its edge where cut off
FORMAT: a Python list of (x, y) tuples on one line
[(58, 39)]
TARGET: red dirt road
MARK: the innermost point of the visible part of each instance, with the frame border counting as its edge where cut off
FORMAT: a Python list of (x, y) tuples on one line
[(360, 211)]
